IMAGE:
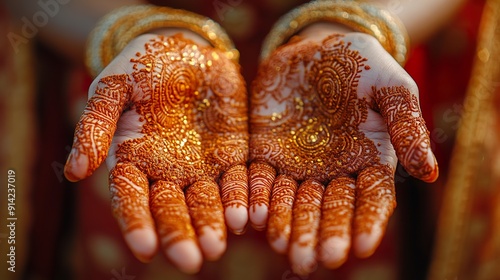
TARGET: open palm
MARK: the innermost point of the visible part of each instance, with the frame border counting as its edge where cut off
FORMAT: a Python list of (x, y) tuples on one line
[(173, 116), (329, 119)]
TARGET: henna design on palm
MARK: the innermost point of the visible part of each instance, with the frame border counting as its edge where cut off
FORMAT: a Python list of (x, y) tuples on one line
[(180, 117), (314, 122)]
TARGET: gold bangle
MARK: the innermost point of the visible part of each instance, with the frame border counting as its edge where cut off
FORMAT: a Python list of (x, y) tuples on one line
[(362, 17), (119, 27)]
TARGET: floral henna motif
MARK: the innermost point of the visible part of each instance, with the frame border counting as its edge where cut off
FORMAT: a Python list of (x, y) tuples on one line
[(191, 103), (94, 131), (181, 121), (189, 132), (401, 112), (308, 123), (308, 127)]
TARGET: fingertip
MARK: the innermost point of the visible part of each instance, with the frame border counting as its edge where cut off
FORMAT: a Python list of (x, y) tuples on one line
[(258, 216), (279, 245), (302, 259), (212, 242), (185, 255), (236, 219), (76, 167), (143, 243), (334, 251), (365, 244), (432, 176)]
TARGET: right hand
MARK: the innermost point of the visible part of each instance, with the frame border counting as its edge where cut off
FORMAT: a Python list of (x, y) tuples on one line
[(329, 119)]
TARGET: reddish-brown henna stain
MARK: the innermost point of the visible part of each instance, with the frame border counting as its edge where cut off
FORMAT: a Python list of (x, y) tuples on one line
[(283, 197), (401, 112), (337, 209), (234, 187), (192, 105), (305, 112), (94, 131), (170, 210), (305, 119)]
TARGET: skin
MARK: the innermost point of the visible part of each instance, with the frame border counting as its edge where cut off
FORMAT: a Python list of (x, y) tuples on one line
[(171, 123), (330, 116), (271, 187)]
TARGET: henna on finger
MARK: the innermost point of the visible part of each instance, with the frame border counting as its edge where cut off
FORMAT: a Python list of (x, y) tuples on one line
[(205, 208), (234, 195), (279, 226), (337, 212), (375, 203), (95, 129), (261, 178), (305, 226), (409, 135), (129, 189), (173, 225)]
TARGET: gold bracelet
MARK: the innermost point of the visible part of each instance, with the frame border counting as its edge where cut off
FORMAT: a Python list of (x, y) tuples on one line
[(119, 27), (362, 17)]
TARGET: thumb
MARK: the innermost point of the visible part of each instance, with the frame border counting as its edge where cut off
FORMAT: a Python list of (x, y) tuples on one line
[(400, 109), (95, 129)]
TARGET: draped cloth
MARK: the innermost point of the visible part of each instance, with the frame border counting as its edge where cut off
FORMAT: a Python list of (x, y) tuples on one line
[(464, 248)]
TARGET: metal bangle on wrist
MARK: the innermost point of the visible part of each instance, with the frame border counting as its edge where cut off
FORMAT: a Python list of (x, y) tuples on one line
[(120, 26), (360, 16)]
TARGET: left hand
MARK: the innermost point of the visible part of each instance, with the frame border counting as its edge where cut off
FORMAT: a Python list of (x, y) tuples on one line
[(329, 119), (170, 117)]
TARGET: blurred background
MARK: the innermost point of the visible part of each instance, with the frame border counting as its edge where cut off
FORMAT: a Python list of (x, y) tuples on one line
[(66, 230)]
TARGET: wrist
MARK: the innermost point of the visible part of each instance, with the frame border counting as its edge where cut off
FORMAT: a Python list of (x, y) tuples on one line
[(324, 29), (186, 33)]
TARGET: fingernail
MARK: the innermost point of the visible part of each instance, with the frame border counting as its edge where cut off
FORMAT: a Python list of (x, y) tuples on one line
[(185, 255), (365, 244), (143, 243), (334, 251), (212, 243), (236, 218), (258, 216)]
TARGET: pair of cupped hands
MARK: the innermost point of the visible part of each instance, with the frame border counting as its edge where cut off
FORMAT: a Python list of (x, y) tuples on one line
[(309, 155)]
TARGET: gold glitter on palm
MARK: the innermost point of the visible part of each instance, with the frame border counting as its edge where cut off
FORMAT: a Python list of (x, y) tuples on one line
[(322, 161), (179, 126)]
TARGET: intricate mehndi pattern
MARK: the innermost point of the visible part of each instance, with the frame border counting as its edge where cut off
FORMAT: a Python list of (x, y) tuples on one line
[(94, 131), (305, 112), (305, 121), (190, 105), (406, 127), (193, 105)]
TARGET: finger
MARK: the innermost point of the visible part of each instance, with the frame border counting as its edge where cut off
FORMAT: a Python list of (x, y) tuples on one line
[(234, 194), (94, 131), (304, 236), (408, 132), (174, 227), (129, 189), (375, 203), (280, 217), (336, 220), (205, 209), (261, 178)]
